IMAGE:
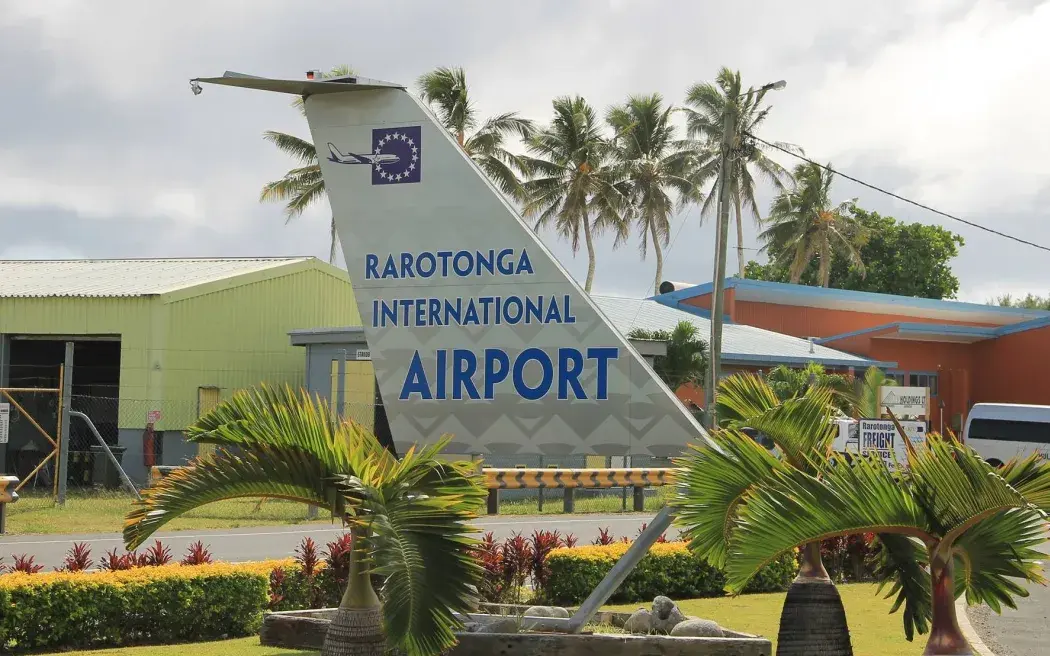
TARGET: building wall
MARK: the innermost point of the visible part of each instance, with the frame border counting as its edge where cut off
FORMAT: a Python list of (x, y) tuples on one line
[(1013, 368), (238, 337)]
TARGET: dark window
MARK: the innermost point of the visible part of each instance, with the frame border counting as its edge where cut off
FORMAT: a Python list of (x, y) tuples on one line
[(896, 376), (1010, 431), (924, 380)]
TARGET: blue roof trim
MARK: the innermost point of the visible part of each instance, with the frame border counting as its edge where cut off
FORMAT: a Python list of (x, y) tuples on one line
[(806, 291), (854, 333), (1023, 326), (746, 358), (672, 301), (946, 329)]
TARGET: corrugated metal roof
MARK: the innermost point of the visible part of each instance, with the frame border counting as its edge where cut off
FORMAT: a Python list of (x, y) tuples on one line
[(739, 343), (109, 278)]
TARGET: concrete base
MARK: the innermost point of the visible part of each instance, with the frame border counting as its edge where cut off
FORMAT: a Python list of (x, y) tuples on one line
[(306, 630)]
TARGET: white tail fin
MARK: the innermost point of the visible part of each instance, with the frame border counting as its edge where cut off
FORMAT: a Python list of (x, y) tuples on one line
[(474, 327)]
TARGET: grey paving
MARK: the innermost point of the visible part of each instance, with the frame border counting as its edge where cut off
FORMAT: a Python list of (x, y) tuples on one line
[(261, 543), (1021, 632)]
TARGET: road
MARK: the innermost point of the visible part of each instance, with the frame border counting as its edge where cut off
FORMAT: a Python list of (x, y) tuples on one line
[(1021, 632), (265, 542)]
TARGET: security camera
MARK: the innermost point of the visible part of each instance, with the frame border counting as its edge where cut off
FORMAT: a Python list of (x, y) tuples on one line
[(195, 87)]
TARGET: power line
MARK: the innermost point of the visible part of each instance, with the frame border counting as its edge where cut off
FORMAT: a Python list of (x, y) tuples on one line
[(897, 196)]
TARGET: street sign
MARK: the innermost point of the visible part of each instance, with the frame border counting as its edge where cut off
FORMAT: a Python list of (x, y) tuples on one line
[(904, 401), (881, 435), (5, 422), (363, 354), (153, 416)]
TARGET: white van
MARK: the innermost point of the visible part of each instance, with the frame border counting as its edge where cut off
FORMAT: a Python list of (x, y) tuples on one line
[(1001, 431)]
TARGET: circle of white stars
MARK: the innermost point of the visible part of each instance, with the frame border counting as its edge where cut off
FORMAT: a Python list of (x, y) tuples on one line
[(411, 166)]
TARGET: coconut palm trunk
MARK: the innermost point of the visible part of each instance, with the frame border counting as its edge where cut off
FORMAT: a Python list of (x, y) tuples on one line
[(589, 241), (357, 627), (659, 258), (739, 236), (813, 620)]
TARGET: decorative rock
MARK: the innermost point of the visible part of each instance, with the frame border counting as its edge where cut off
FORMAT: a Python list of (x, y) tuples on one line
[(697, 629), (546, 611), (638, 622), (503, 625), (475, 598), (665, 615)]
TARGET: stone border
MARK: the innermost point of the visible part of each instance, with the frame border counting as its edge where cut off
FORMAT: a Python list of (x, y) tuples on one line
[(979, 648)]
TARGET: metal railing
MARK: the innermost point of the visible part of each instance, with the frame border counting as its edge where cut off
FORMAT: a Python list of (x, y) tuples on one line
[(570, 480)]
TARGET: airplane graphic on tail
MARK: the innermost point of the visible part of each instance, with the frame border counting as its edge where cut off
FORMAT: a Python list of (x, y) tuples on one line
[(335, 155)]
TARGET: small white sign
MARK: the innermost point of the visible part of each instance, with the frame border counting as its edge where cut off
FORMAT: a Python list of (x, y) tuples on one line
[(904, 401), (363, 354), (881, 435), (5, 422)]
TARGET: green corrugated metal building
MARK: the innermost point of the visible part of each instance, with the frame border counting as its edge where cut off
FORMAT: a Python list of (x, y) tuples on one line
[(166, 336)]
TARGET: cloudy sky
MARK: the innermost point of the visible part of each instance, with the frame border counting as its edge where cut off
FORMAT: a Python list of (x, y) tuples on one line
[(104, 152)]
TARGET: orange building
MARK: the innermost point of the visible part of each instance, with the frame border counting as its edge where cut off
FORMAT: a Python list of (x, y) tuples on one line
[(965, 353)]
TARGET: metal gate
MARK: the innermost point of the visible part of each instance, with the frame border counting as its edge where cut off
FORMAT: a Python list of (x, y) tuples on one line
[(26, 415)]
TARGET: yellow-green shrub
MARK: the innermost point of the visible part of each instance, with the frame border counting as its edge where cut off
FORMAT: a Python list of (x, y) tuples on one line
[(171, 603), (668, 569)]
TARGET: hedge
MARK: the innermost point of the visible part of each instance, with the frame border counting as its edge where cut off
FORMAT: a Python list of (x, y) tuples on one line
[(668, 569), (166, 604)]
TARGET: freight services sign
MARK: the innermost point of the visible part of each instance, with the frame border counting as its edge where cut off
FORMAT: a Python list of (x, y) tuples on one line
[(881, 436)]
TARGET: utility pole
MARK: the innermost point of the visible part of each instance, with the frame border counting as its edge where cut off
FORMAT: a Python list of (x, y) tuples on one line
[(719, 282)]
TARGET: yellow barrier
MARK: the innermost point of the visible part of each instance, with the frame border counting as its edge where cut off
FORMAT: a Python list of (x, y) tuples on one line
[(7, 495), (520, 479)]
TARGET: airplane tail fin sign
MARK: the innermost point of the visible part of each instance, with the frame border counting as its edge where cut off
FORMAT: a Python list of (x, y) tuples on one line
[(474, 328)]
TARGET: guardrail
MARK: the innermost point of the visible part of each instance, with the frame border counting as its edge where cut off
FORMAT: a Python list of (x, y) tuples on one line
[(7, 495), (570, 480)]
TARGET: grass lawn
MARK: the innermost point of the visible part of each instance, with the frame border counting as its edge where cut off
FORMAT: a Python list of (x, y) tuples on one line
[(103, 512), (874, 631)]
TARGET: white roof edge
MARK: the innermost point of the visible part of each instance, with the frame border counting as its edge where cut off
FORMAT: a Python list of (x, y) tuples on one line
[(302, 87)]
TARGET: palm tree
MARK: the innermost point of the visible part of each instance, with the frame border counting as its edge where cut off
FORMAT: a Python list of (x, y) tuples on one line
[(789, 383), (706, 107), (574, 182), (813, 620), (950, 524), (408, 517), (302, 186), (445, 90), (803, 224), (686, 359), (655, 163), (867, 395)]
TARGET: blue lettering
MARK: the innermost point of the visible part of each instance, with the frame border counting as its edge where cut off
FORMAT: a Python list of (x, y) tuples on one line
[(406, 306), (390, 270), (483, 263), (416, 381), (389, 312), (502, 264), (470, 317), (375, 313), (442, 362), (524, 265), (553, 315), (534, 309), (371, 266), (421, 311), (602, 354), (569, 318), (570, 365), (430, 261), (494, 375), (538, 392), (512, 317), (406, 266), (485, 302), (463, 271), (464, 364), (444, 255), (435, 312), (453, 312)]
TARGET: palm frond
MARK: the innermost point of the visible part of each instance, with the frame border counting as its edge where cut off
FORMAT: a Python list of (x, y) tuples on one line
[(267, 470), (416, 513), (996, 555), (901, 563), (795, 508), (712, 485), (1031, 477), (302, 150)]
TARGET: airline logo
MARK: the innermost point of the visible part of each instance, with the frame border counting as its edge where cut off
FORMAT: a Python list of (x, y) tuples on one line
[(396, 156)]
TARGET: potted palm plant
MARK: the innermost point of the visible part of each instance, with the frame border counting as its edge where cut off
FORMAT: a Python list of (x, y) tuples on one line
[(409, 517)]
